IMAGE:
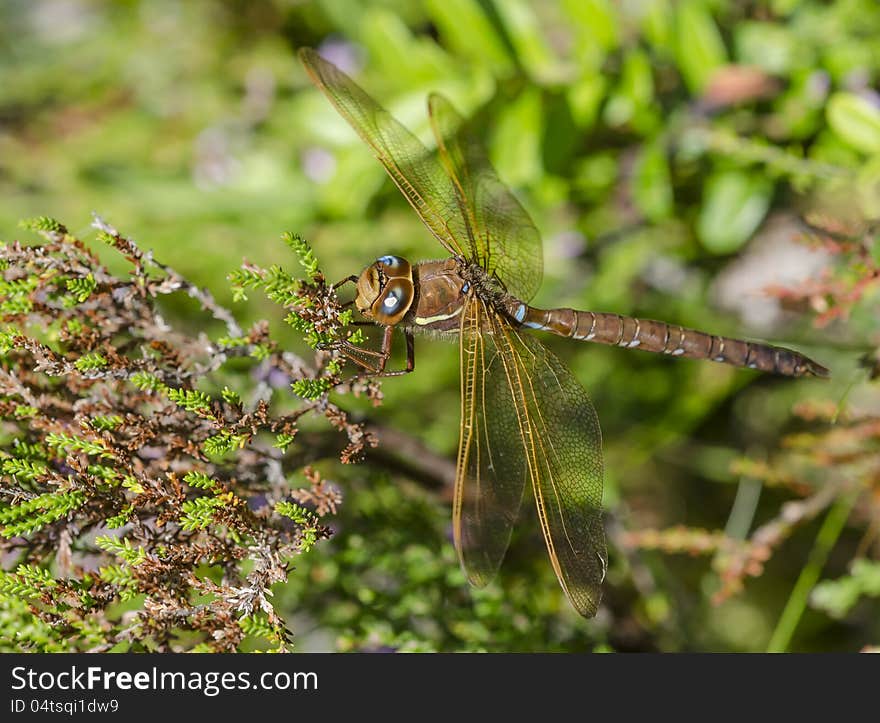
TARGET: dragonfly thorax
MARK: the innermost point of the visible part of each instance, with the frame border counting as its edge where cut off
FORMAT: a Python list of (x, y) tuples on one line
[(385, 290)]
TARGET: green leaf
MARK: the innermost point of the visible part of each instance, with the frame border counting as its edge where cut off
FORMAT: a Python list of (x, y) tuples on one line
[(310, 388), (120, 519), (200, 480), (838, 597), (35, 513), (28, 582), (122, 547), (584, 97), (357, 336), (147, 382), (192, 400), (242, 279), (198, 513), (66, 443), (516, 144), (282, 441), (24, 468), (259, 352), (734, 204), (91, 362), (466, 29), (393, 48), (131, 483), (105, 422), (122, 577), (230, 396), (19, 287), (44, 225), (37, 576), (295, 512), (651, 184), (594, 27), (224, 442), (658, 26), (699, 47), (855, 121), (303, 251), (868, 188), (632, 101), (302, 517), (258, 627), (775, 48), (14, 306), (8, 338), (526, 35), (82, 288)]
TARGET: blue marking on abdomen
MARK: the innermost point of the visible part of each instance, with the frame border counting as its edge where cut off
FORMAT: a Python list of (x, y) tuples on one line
[(520, 313)]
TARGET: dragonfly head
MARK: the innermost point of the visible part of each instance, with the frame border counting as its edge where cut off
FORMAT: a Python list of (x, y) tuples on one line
[(385, 290)]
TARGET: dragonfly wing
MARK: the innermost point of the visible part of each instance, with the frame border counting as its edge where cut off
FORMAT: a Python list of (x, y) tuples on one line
[(491, 472), (525, 417), (502, 236), (413, 168), (561, 445)]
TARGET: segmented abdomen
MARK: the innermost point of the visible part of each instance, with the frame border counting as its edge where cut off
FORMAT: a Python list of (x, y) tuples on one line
[(663, 338)]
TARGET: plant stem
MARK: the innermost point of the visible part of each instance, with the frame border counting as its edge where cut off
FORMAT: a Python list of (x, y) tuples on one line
[(831, 528)]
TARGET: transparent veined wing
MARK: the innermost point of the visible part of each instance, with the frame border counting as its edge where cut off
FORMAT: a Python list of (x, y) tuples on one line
[(503, 238), (491, 471), (525, 416), (414, 169)]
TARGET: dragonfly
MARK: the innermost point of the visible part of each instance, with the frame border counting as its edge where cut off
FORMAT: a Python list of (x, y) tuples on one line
[(525, 419)]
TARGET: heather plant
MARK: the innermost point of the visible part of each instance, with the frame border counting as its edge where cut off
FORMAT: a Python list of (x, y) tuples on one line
[(827, 467), (144, 504), (667, 151)]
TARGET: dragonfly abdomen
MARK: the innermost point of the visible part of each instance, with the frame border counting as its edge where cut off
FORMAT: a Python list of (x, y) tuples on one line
[(663, 338)]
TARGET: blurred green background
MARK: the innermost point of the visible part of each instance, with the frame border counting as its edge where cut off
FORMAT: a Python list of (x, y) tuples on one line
[(666, 150)]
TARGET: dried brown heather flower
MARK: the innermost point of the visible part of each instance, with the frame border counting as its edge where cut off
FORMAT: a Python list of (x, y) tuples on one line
[(127, 475)]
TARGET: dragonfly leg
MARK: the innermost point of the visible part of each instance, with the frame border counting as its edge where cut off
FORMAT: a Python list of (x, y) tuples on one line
[(353, 279), (386, 354), (410, 351), (374, 365)]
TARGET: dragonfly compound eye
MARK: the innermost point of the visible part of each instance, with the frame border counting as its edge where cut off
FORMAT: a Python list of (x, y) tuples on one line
[(392, 301), (390, 262), (395, 302), (394, 267)]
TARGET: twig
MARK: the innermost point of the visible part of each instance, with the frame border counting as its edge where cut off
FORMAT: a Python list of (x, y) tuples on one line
[(407, 454), (203, 296)]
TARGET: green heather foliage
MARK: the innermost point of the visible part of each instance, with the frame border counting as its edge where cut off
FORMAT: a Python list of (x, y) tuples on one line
[(708, 162), (110, 488)]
